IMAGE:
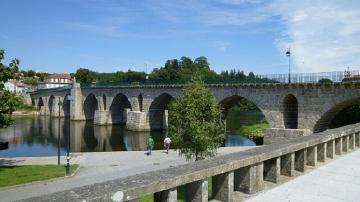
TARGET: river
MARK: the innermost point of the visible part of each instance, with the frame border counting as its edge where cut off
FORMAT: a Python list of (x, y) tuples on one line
[(43, 136)]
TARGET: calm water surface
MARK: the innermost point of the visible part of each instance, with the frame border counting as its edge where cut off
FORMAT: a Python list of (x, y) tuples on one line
[(43, 136)]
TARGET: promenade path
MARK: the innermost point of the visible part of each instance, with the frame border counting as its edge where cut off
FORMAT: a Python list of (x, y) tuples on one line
[(338, 180), (94, 168)]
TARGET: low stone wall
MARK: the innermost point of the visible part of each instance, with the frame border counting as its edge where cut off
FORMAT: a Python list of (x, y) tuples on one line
[(243, 171), (273, 135)]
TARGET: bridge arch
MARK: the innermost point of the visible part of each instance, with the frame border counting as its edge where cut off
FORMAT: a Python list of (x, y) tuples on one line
[(325, 120), (290, 111), (117, 108), (51, 104), (158, 111), (230, 101), (40, 103), (140, 100), (90, 105), (66, 105)]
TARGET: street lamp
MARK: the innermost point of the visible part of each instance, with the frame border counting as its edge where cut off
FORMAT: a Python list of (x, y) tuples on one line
[(288, 54), (59, 104), (69, 99)]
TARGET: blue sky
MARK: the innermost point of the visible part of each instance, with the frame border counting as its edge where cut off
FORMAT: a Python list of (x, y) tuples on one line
[(112, 35)]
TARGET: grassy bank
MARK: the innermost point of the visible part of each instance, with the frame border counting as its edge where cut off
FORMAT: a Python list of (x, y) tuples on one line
[(254, 132), (180, 193), (13, 175)]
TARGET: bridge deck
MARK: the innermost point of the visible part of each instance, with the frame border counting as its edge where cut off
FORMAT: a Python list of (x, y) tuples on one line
[(338, 180)]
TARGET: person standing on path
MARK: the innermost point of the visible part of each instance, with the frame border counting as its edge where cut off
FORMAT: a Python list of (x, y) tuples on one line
[(167, 142), (150, 144)]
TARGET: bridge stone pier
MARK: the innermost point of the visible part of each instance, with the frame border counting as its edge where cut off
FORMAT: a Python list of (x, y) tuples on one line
[(292, 110)]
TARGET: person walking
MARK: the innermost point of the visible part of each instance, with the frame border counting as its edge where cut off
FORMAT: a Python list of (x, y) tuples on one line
[(167, 142), (150, 144)]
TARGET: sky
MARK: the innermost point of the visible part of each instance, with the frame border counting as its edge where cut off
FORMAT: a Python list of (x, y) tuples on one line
[(250, 35)]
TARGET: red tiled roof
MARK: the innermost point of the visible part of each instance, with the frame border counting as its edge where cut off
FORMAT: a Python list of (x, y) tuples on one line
[(59, 76)]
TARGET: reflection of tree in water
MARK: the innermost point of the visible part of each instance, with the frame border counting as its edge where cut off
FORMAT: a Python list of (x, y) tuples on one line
[(90, 141)]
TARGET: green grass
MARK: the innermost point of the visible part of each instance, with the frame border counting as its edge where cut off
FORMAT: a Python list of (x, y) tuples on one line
[(25, 107), (254, 132), (13, 175), (180, 193)]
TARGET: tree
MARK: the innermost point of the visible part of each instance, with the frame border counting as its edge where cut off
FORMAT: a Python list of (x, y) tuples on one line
[(8, 101), (195, 122), (325, 81), (83, 75), (202, 63)]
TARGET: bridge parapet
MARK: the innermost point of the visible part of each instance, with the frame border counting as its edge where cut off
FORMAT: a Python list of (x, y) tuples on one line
[(243, 171)]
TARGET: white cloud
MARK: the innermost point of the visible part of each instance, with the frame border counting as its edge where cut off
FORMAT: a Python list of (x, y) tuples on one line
[(221, 46), (323, 35)]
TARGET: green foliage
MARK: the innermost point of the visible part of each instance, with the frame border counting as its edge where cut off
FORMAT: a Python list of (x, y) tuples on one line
[(84, 75), (184, 69), (13, 175), (30, 81), (42, 75), (254, 132), (8, 103), (195, 122), (325, 81)]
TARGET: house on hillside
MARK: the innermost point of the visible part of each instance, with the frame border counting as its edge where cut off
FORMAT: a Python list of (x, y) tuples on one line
[(55, 81), (15, 86)]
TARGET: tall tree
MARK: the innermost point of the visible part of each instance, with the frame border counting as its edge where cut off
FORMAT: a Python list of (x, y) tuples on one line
[(195, 121), (8, 101), (83, 75), (202, 63)]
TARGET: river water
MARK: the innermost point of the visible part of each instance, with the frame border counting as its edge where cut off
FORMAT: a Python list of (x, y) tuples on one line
[(45, 136)]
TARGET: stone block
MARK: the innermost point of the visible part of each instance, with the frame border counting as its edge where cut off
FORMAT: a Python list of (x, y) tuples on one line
[(357, 139), (273, 135), (287, 164), (223, 187), (249, 179), (330, 150), (311, 156), (321, 152), (197, 191), (169, 195), (345, 143), (338, 146), (352, 141), (300, 160), (272, 170)]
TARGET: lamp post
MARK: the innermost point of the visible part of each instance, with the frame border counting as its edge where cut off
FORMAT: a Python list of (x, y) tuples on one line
[(288, 54), (59, 104), (69, 99)]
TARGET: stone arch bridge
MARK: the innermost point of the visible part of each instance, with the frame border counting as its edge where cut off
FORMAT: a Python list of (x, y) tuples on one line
[(290, 109)]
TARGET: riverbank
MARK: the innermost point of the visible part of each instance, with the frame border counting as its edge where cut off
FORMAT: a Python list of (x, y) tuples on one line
[(96, 167), (25, 113)]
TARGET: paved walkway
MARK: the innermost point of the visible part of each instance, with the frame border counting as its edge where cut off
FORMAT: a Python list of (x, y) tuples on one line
[(338, 180), (94, 168)]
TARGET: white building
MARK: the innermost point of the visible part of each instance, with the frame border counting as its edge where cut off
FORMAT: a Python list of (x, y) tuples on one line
[(14, 86), (55, 81)]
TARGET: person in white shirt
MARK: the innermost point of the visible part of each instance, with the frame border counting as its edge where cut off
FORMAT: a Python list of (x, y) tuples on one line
[(167, 142)]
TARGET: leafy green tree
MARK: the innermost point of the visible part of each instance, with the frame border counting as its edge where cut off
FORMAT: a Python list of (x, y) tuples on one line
[(325, 81), (195, 122), (202, 63), (83, 75), (8, 101)]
